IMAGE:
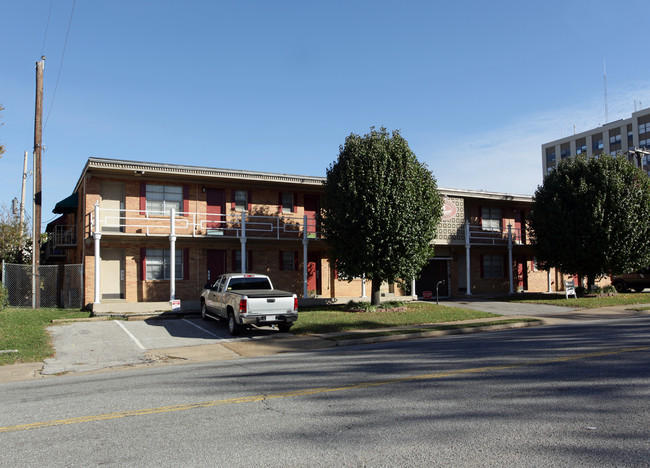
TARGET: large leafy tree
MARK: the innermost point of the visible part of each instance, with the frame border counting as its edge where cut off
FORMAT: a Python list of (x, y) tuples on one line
[(15, 245), (591, 217), (380, 209)]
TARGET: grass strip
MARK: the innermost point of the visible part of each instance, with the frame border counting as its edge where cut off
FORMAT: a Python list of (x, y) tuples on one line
[(580, 302), (24, 330)]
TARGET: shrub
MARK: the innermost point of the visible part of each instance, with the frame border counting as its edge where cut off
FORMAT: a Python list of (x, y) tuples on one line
[(4, 297)]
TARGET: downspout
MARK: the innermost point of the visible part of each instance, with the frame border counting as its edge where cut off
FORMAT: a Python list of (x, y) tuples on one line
[(97, 235), (172, 254), (467, 262)]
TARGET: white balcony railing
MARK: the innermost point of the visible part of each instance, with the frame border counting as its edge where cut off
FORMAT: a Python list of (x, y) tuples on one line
[(232, 225)]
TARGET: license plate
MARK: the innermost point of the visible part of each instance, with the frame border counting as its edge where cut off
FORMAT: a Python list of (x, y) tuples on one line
[(269, 318)]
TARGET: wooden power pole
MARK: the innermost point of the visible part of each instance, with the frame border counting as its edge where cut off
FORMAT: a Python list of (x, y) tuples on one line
[(38, 134)]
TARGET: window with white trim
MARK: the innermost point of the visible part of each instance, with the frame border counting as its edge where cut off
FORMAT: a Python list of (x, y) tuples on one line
[(162, 198), (287, 202), (241, 200), (491, 219), (158, 264), (492, 266)]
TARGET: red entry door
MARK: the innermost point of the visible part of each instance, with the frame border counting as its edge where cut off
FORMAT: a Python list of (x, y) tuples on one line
[(522, 273), (313, 272), (216, 264), (520, 234), (216, 207), (312, 205)]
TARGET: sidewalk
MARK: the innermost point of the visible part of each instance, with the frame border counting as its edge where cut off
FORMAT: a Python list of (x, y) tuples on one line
[(542, 315)]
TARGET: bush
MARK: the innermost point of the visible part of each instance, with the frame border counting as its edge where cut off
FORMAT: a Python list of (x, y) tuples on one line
[(4, 297)]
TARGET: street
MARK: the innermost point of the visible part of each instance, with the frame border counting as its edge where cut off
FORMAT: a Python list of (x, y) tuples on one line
[(564, 395)]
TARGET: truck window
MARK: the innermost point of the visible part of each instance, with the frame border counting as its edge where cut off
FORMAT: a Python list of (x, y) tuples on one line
[(238, 284)]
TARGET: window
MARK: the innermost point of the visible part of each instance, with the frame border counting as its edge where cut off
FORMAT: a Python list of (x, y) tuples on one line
[(162, 198), (534, 265), (236, 261), (550, 156), (597, 143), (644, 128), (581, 146), (159, 267), (241, 200), (492, 266), (287, 202), (614, 139), (565, 151), (288, 260), (491, 219)]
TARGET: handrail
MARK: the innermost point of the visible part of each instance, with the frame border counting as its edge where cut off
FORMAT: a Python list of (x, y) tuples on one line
[(113, 220)]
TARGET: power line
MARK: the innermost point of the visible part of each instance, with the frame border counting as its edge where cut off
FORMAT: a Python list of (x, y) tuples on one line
[(65, 44), (47, 26)]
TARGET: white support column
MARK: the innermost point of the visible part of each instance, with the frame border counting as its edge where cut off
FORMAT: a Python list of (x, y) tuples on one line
[(414, 294), (510, 258), (467, 261), (363, 285), (548, 279), (243, 241), (172, 254), (305, 240), (97, 235)]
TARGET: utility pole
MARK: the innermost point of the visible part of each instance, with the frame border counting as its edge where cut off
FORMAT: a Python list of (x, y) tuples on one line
[(22, 196), (38, 134)]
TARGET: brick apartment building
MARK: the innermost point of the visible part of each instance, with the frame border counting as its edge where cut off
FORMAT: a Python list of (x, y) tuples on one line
[(118, 224)]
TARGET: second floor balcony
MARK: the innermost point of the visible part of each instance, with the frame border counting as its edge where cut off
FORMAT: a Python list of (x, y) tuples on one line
[(190, 224)]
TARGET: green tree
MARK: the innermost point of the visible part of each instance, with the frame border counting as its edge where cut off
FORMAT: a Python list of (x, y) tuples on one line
[(15, 244), (380, 210), (592, 217)]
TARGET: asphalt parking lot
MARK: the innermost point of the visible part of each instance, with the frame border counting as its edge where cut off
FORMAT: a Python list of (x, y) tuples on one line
[(85, 346)]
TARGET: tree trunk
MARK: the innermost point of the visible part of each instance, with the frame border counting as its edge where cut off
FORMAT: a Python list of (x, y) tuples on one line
[(376, 295), (591, 280)]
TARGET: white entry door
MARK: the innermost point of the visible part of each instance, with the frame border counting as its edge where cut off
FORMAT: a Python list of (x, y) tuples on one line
[(112, 206), (112, 274)]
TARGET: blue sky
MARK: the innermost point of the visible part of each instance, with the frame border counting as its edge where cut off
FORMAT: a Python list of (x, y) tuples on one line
[(475, 87)]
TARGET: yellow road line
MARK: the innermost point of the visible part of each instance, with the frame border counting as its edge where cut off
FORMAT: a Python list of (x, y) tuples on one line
[(313, 391)]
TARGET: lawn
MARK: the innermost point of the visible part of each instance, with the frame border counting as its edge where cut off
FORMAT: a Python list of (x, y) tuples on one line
[(330, 319), (580, 302), (24, 331)]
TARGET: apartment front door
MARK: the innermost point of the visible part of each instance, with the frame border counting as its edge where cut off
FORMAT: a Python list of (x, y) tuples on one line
[(112, 274), (216, 207), (111, 209), (522, 273), (313, 272), (312, 205), (216, 264)]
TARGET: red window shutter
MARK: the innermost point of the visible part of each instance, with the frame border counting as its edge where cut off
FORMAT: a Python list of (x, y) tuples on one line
[(143, 198), (186, 199), (482, 269), (279, 202), (295, 203), (233, 205), (143, 264), (281, 266), (250, 200), (186, 264), (295, 260)]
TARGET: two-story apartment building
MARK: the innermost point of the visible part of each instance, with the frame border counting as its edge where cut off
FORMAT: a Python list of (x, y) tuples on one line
[(151, 232)]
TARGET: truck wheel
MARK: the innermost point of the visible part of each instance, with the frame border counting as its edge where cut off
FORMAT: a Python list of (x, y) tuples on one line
[(204, 311), (638, 289), (620, 287), (233, 327), (284, 327)]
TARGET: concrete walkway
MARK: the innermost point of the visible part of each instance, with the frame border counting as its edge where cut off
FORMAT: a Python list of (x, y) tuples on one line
[(508, 308)]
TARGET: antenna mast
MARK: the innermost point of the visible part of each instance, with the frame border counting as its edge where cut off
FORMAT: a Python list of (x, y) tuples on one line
[(605, 83)]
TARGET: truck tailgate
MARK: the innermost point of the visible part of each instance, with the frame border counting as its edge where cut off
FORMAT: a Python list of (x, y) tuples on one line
[(270, 305)]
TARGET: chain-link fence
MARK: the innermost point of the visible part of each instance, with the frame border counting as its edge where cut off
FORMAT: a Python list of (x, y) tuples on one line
[(59, 285)]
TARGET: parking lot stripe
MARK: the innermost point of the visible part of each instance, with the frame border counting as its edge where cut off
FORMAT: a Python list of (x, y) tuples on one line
[(135, 340), (201, 328)]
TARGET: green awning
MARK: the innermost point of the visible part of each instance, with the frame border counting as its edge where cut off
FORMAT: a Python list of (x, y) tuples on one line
[(67, 205)]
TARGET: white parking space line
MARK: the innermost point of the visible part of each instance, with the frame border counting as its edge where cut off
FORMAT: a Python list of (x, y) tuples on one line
[(135, 340), (201, 328)]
